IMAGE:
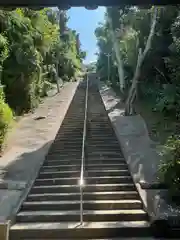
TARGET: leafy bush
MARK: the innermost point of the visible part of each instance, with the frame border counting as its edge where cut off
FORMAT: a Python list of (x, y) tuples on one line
[(22, 93), (169, 171), (30, 44), (6, 117), (46, 87), (169, 99)]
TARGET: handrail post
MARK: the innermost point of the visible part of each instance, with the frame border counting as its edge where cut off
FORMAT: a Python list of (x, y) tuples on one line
[(83, 155), (81, 205)]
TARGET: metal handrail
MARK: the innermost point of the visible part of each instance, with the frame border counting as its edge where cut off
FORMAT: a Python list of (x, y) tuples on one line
[(83, 155)]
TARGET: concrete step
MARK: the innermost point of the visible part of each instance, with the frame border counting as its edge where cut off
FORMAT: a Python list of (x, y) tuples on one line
[(72, 129), (63, 143), (88, 188), (103, 138), (65, 134), (100, 127), (67, 138), (72, 142), (55, 162), (99, 157), (101, 141), (76, 129), (73, 230), (72, 114), (55, 166), (67, 150), (121, 195), (87, 205), (67, 146), (109, 153), (67, 127), (88, 215), (89, 161), (73, 120), (101, 135), (72, 123), (63, 155), (76, 121), (68, 141), (101, 130), (103, 148), (94, 128), (66, 153), (104, 160), (107, 173), (89, 173), (105, 145), (44, 181), (71, 126)]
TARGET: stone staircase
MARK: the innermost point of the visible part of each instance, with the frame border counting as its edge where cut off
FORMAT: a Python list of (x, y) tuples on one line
[(111, 204)]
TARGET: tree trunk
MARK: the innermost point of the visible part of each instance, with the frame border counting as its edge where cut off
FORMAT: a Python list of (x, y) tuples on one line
[(140, 60), (57, 77), (132, 91), (118, 58)]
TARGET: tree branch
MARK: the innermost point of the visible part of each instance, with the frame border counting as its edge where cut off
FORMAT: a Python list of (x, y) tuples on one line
[(140, 60)]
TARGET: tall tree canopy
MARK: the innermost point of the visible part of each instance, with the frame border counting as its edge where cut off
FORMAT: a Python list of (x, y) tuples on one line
[(36, 47), (131, 27), (32, 46)]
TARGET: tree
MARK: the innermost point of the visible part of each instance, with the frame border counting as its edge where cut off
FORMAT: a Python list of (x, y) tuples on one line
[(132, 25), (34, 48), (141, 57)]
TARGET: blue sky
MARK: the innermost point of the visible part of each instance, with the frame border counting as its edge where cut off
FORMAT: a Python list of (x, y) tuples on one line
[(85, 22)]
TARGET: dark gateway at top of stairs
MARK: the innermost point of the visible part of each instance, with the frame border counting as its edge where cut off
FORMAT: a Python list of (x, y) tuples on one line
[(89, 4)]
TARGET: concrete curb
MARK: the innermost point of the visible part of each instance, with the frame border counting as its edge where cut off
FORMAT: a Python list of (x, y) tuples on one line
[(4, 230), (12, 185)]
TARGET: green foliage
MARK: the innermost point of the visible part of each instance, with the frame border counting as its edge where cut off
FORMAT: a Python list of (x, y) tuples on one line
[(168, 100), (31, 43), (160, 72), (5, 120), (3, 49), (170, 166), (91, 67), (5, 112)]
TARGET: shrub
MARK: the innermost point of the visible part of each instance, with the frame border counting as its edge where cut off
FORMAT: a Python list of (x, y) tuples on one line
[(168, 100), (22, 93), (46, 87), (6, 117), (169, 171)]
